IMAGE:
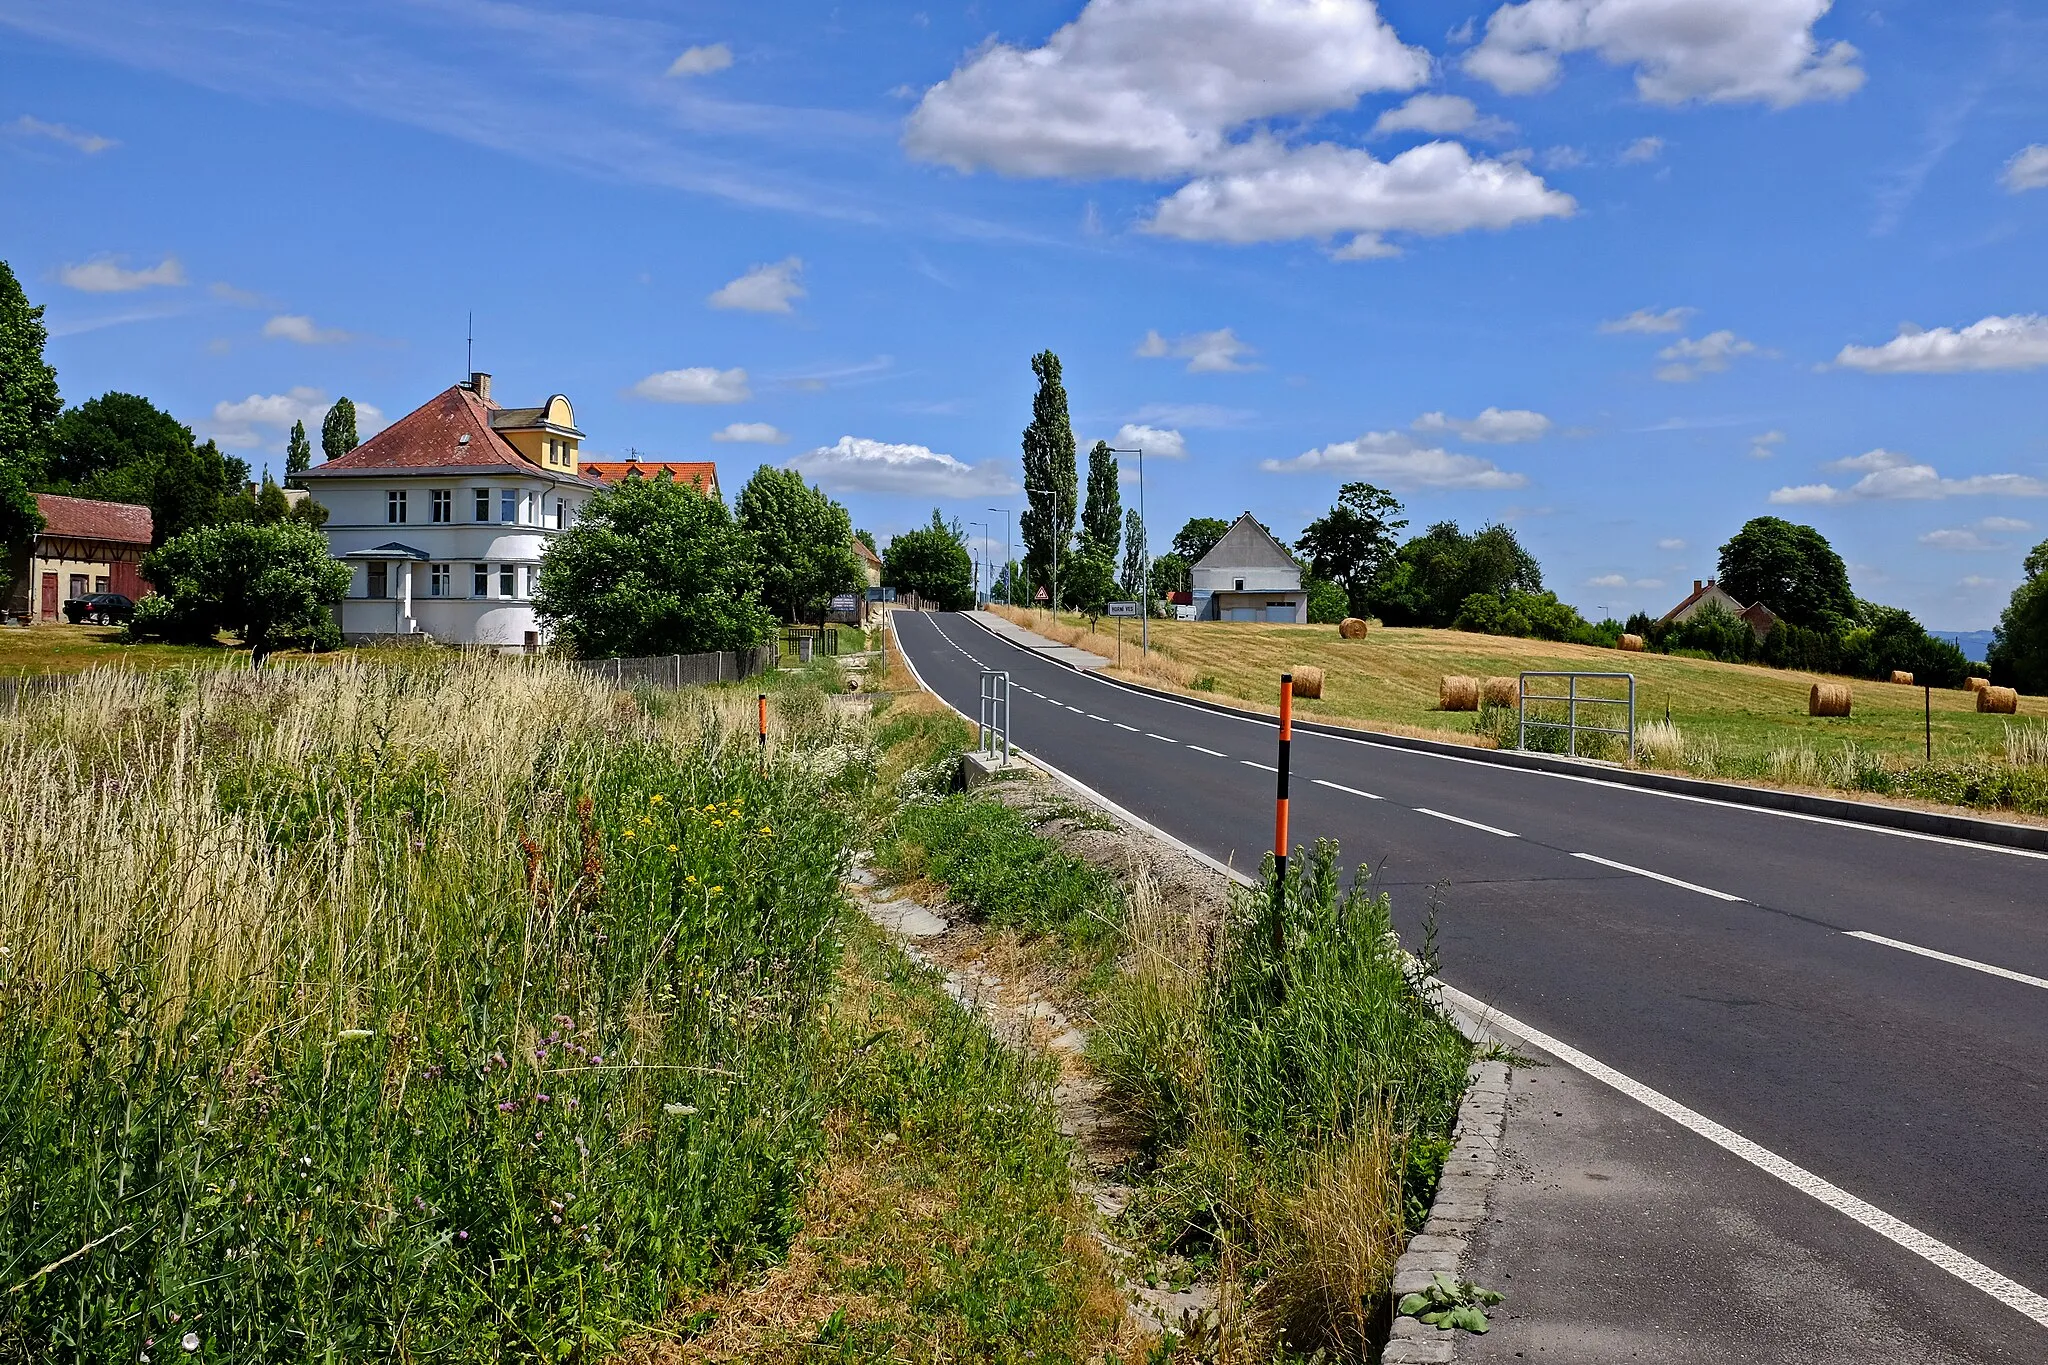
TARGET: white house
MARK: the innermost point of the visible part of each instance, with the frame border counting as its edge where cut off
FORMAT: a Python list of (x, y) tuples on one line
[(1248, 576), (446, 514)]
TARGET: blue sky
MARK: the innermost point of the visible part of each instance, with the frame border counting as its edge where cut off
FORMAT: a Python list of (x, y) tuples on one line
[(1623, 273)]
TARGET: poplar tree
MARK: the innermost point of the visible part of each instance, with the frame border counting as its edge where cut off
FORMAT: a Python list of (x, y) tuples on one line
[(338, 430), (28, 405), (1049, 475), (1134, 553), (298, 452), (1102, 514)]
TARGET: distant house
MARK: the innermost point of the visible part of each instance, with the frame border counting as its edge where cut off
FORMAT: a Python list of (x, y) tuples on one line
[(1760, 619), (446, 513), (1249, 576), (870, 563), (702, 473), (85, 547)]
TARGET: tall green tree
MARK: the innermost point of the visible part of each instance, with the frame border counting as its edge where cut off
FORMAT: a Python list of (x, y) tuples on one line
[(1136, 556), (867, 538), (932, 562), (123, 448), (1050, 477), (652, 567), (1102, 510), (298, 452), (338, 430), (1199, 537), (1353, 543), (1792, 570), (1432, 576), (2019, 650), (803, 541), (274, 586), (29, 403), (1170, 574)]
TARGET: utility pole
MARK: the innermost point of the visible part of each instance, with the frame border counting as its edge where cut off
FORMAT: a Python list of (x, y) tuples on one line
[(1060, 534), (1009, 586), (1144, 558), (981, 562)]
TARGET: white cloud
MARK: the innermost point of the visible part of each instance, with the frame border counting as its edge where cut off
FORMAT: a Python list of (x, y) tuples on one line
[(2005, 524), (1977, 580), (856, 464), (300, 328), (1563, 157), (1441, 114), (1217, 352), (1892, 477), (1709, 355), (235, 424), (1616, 580), (698, 384), (2019, 342), (105, 275), (92, 144), (1198, 415), (2028, 169), (1957, 538), (1642, 149), (751, 433), (1765, 446), (1715, 50), (1159, 442), (1153, 88), (1671, 543), (1324, 190), (1494, 426), (701, 61), (1647, 321), (1399, 461), (764, 289)]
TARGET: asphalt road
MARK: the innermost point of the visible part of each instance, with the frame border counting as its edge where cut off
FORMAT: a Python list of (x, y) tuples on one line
[(1707, 951)]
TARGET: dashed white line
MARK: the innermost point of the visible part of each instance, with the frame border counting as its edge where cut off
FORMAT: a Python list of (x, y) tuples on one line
[(1971, 963), (1103, 719), (1469, 824), (1211, 752), (1150, 735), (1075, 709), (1658, 877), (1121, 726), (1249, 764), (1339, 786)]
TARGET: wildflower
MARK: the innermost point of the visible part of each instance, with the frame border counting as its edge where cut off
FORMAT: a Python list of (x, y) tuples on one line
[(462, 1236), (679, 1109), (628, 834), (766, 832), (671, 848), (541, 1098), (691, 878), (190, 1341), (656, 798), (716, 889), (349, 1035)]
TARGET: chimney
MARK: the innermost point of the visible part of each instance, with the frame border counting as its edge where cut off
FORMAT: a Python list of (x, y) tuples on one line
[(480, 384), (1697, 585)]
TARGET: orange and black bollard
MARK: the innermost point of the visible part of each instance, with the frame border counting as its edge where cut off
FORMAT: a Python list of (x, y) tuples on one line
[(763, 703), (1280, 813)]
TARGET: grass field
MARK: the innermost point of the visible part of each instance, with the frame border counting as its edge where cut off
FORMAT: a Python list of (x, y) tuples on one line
[(52, 648)]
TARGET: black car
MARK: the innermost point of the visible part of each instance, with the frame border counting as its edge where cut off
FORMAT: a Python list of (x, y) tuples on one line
[(102, 608)]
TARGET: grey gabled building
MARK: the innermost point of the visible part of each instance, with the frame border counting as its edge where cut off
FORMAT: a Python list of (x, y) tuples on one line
[(1249, 576)]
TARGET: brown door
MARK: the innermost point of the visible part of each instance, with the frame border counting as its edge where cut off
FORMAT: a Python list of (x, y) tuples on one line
[(49, 597)]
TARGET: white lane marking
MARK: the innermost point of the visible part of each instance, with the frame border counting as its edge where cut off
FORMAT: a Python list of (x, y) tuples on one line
[(1469, 824), (1249, 764), (1075, 709), (1339, 786), (1121, 726), (1211, 752), (1103, 719), (1659, 877), (1150, 735), (1971, 963), (1970, 1271)]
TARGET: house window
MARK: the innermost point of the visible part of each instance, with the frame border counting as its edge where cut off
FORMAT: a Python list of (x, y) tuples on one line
[(508, 504), (532, 578), (99, 584), (78, 584), (437, 580), (444, 504), (1239, 583), (379, 584), (479, 580), (394, 506), (483, 504), (508, 581), (561, 513)]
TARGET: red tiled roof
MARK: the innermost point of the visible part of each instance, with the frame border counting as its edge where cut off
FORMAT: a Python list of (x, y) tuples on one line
[(430, 437), (703, 473), (89, 519), (860, 548)]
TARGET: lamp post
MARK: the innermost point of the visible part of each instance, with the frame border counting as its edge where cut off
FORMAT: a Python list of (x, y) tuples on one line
[(1059, 529), (1009, 586), (1144, 558), (980, 563)]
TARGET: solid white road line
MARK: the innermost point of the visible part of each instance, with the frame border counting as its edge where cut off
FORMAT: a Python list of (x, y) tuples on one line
[(1249, 764), (1211, 752), (1970, 1271), (1469, 824), (1121, 726), (1658, 877), (1339, 786), (1971, 963)]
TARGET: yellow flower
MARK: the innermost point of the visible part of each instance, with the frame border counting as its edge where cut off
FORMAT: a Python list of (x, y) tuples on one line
[(671, 848), (628, 834), (655, 799), (691, 878), (716, 889), (766, 831)]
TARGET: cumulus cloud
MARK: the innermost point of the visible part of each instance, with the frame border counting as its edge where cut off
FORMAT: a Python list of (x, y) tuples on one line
[(1890, 476), (858, 465), (1616, 580), (2028, 169), (1217, 352), (1400, 462), (105, 275), (1710, 354), (701, 61), (297, 327), (1671, 543), (235, 424), (1642, 149), (1441, 114), (1957, 538), (2019, 342), (764, 289), (1760, 51), (1649, 321), (698, 384), (1495, 426), (1765, 446), (1159, 442), (77, 139), (751, 433)]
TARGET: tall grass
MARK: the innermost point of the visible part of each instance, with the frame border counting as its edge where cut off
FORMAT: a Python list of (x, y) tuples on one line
[(1157, 666), (435, 1011)]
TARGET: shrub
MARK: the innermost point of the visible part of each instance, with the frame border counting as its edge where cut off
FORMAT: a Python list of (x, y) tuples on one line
[(274, 586)]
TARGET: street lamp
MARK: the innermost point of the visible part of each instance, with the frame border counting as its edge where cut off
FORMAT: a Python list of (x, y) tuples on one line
[(1059, 529), (982, 561), (1144, 558), (1009, 585)]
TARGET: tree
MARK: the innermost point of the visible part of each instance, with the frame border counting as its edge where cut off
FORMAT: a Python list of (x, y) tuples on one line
[(1087, 580), (1170, 574), (271, 504), (803, 541), (933, 563), (273, 586), (338, 430), (1354, 542), (123, 448), (29, 403), (298, 452), (1102, 512), (652, 566), (1199, 537), (1792, 570), (1135, 567), (1432, 575), (867, 538), (1327, 604), (1049, 475), (2019, 649)]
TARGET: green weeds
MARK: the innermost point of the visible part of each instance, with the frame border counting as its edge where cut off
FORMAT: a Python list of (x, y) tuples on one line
[(997, 868)]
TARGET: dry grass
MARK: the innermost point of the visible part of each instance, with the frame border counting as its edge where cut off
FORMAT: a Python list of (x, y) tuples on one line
[(1159, 668)]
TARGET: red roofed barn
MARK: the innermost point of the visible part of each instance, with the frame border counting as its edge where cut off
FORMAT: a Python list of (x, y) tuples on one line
[(85, 547), (702, 473)]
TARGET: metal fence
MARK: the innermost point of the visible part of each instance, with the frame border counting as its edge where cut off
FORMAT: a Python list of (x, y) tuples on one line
[(1573, 699), (994, 725), (13, 689), (684, 670), (806, 642)]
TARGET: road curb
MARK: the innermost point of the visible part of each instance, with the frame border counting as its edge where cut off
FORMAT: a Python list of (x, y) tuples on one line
[(1967, 828)]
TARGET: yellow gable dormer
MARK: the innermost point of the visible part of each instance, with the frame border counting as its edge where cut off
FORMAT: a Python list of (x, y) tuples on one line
[(546, 435)]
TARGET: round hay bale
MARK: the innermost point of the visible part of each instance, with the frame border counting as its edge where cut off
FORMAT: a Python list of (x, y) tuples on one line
[(1502, 691), (1457, 694), (1976, 684), (1828, 699), (1351, 628), (1632, 644), (1998, 701), (1902, 678), (1308, 682)]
